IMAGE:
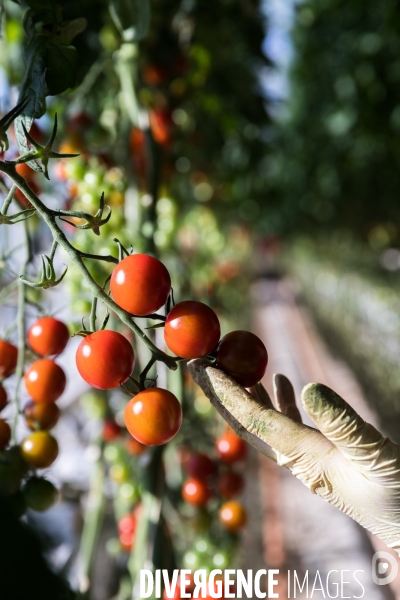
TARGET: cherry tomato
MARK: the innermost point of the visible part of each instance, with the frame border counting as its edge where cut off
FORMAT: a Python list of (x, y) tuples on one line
[(140, 284), (111, 430), (196, 492), (45, 380), (48, 336), (200, 466), (231, 448), (230, 484), (41, 415), (134, 447), (3, 397), (105, 359), (8, 358), (232, 515), (242, 355), (5, 434), (153, 417), (126, 541), (39, 449), (192, 329), (127, 524), (40, 494), (25, 171)]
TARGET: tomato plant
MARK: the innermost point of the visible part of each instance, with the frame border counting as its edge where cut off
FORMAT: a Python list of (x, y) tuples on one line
[(41, 415), (231, 448), (105, 359), (232, 516), (196, 491), (242, 355), (45, 380), (192, 329), (40, 494), (153, 416), (39, 449), (5, 434), (140, 284), (48, 336), (8, 358)]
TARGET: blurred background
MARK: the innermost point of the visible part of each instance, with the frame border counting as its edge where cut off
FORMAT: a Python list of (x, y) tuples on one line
[(253, 146)]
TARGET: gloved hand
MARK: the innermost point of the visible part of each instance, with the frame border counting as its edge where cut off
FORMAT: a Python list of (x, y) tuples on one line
[(346, 461)]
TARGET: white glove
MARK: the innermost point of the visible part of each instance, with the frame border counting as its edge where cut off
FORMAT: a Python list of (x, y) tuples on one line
[(346, 461)]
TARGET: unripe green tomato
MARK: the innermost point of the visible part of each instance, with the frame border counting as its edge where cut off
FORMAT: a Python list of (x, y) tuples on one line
[(119, 473), (94, 404), (221, 560), (201, 522), (40, 494), (129, 492), (191, 560), (80, 305), (203, 545), (16, 504), (113, 453)]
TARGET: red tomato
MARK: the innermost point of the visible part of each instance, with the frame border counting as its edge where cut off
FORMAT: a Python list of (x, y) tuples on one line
[(8, 359), (140, 284), (192, 329), (230, 484), (232, 516), (5, 434), (25, 171), (231, 448), (196, 492), (3, 397), (48, 336), (127, 524), (105, 359), (200, 466), (126, 541), (45, 380), (111, 430), (134, 447), (41, 415), (153, 417), (39, 450), (242, 355)]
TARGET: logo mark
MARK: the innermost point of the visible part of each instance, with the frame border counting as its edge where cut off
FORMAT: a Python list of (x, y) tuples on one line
[(379, 569)]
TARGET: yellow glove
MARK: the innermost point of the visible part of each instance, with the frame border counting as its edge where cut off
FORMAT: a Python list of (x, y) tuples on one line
[(346, 461)]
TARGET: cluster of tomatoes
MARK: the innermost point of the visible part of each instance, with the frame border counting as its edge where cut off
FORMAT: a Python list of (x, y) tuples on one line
[(44, 381), (141, 285)]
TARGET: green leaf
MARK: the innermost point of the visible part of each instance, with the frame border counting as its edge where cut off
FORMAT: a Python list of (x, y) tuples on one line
[(34, 84), (62, 64), (131, 17), (67, 33)]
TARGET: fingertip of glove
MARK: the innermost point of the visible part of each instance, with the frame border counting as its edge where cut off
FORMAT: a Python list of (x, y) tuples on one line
[(316, 397)]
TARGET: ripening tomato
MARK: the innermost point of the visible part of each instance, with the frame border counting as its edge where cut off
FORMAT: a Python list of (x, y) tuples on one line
[(5, 434), (127, 524), (39, 449), (153, 417), (230, 484), (3, 397), (25, 171), (134, 447), (232, 515), (40, 494), (140, 284), (200, 466), (192, 329), (105, 359), (231, 448), (41, 415), (242, 355), (8, 359), (45, 380), (196, 492), (111, 430), (48, 336)]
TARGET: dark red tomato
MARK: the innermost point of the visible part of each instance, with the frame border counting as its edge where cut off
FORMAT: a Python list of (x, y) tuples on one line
[(111, 430), (3, 397), (140, 284), (200, 466), (192, 329), (196, 492), (134, 447), (105, 359), (230, 484), (40, 494), (45, 380), (232, 516), (8, 359), (5, 434), (41, 415), (242, 355), (231, 448), (39, 450), (48, 336), (153, 417)]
